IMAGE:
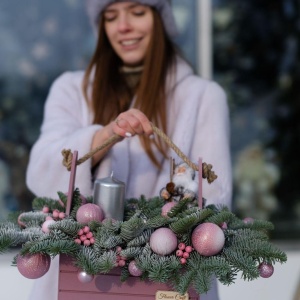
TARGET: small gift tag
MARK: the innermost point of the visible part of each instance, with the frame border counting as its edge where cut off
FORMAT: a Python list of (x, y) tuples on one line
[(170, 295)]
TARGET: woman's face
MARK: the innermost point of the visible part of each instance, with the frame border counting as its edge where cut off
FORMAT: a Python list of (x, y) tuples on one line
[(128, 26)]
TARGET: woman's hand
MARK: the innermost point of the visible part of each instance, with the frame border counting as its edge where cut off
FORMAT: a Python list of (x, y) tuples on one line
[(129, 123), (132, 122)]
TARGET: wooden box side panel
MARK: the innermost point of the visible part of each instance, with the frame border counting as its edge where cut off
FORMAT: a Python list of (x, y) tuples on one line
[(106, 286)]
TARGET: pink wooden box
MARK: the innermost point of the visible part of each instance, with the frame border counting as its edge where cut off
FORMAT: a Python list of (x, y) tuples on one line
[(108, 286)]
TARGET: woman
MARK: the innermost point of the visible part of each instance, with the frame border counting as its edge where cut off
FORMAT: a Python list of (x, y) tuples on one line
[(135, 77)]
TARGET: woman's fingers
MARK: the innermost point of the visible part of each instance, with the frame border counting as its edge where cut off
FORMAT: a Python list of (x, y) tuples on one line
[(132, 122)]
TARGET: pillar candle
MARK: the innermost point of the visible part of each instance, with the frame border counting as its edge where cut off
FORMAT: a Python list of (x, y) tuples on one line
[(109, 194)]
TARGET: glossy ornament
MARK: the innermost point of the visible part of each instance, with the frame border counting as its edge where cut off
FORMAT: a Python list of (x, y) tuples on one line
[(89, 212), (265, 270), (133, 269), (33, 266), (163, 241), (84, 277), (208, 239)]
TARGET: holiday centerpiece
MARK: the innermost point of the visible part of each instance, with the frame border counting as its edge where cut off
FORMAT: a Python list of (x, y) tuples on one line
[(172, 243)]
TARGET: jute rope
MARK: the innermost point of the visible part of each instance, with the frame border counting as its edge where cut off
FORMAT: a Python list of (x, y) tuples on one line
[(207, 172)]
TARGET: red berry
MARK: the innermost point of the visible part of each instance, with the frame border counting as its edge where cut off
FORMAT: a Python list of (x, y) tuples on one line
[(121, 263), (89, 235), (80, 232), (78, 241), (61, 215), (45, 209), (181, 246), (179, 253), (186, 255), (182, 261), (86, 229), (86, 243), (188, 249), (118, 249), (55, 213), (83, 237), (92, 240)]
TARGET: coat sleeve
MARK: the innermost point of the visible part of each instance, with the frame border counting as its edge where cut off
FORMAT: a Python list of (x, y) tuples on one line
[(212, 143), (65, 126)]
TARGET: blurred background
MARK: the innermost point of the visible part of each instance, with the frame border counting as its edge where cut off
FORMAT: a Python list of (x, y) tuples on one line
[(249, 47)]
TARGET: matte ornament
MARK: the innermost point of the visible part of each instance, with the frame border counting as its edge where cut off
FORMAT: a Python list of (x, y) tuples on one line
[(33, 266), (84, 277), (208, 239), (89, 212), (134, 270), (46, 224), (163, 241), (265, 270)]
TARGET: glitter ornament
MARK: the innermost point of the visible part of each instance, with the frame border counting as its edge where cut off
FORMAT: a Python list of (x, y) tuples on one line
[(33, 266), (133, 269), (208, 239), (163, 241), (84, 277), (167, 207), (89, 212), (46, 224), (265, 270)]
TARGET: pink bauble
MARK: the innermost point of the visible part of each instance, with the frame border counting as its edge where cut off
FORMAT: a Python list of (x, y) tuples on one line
[(134, 270), (167, 207), (208, 239), (33, 266), (265, 270), (163, 241), (248, 220), (46, 224), (89, 212), (84, 277)]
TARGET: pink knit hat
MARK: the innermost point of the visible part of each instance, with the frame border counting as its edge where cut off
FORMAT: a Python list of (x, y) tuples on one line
[(95, 8)]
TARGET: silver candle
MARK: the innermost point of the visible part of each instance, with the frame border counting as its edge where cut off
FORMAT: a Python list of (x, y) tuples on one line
[(109, 194)]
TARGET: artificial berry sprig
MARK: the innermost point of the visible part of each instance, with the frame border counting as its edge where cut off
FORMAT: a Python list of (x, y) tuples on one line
[(56, 214), (85, 237), (121, 261), (183, 252)]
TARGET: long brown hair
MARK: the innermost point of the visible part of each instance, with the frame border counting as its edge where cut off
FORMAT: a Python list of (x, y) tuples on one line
[(110, 94)]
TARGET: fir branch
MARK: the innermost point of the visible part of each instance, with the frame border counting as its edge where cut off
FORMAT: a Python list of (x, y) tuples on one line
[(157, 221), (55, 247), (240, 261), (131, 252), (39, 202), (185, 224), (106, 262), (178, 208), (159, 268), (133, 227), (141, 239), (105, 239), (33, 218), (124, 274), (86, 260), (222, 216), (259, 249), (67, 226), (185, 281)]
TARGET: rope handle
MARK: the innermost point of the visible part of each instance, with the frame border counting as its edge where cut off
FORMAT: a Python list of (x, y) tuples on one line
[(207, 172)]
